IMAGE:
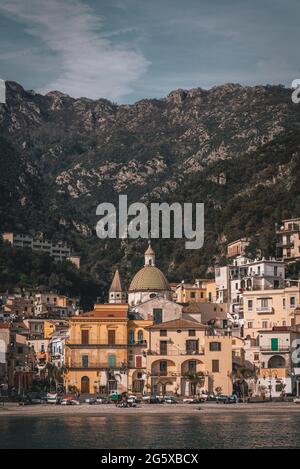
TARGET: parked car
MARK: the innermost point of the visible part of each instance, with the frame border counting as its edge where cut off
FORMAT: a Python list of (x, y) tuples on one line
[(91, 400), (52, 398), (222, 398), (155, 400), (70, 402), (170, 400)]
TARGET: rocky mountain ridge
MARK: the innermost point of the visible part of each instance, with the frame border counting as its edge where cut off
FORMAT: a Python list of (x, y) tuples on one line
[(235, 148)]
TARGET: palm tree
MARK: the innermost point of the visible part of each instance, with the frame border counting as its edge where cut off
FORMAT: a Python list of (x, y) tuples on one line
[(195, 378), (240, 375)]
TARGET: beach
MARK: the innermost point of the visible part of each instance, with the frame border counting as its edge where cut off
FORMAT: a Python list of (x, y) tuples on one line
[(12, 409)]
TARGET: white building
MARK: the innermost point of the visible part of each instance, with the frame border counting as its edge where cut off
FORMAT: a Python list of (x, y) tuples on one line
[(247, 275), (149, 282), (57, 347), (59, 251)]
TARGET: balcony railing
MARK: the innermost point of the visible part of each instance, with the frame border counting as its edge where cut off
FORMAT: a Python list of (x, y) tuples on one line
[(103, 346), (265, 309), (93, 365), (141, 343), (280, 349), (176, 352)]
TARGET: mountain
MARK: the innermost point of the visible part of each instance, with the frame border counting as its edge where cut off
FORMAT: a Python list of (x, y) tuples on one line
[(235, 148)]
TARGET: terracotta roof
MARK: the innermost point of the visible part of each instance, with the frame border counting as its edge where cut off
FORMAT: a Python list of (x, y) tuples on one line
[(178, 324), (4, 325), (192, 308)]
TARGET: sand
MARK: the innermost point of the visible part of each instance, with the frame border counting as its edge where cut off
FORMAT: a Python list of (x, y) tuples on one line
[(109, 409)]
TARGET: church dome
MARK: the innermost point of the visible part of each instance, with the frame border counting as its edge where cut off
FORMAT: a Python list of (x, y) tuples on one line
[(149, 278)]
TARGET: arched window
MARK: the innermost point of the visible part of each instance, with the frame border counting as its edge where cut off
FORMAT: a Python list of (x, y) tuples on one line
[(277, 361), (140, 337), (131, 337)]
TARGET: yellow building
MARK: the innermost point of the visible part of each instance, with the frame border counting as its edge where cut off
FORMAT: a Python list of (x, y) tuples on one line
[(178, 350), (265, 309), (138, 341), (96, 353), (203, 290)]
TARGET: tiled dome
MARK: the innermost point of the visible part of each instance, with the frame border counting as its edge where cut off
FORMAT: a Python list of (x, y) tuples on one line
[(149, 278)]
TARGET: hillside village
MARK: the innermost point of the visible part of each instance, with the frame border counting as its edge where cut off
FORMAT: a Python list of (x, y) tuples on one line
[(235, 333)]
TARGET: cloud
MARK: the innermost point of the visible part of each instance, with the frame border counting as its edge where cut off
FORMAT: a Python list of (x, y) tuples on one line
[(88, 63)]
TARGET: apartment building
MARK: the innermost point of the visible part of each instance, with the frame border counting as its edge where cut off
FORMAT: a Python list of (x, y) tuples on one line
[(237, 248), (244, 274), (273, 355), (288, 236), (181, 348), (265, 309), (60, 251), (96, 352), (201, 290)]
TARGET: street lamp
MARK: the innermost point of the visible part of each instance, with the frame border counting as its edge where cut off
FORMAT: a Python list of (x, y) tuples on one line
[(270, 386)]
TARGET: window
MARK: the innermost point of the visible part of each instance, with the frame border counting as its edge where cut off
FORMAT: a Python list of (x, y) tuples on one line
[(193, 294), (192, 347), (192, 366), (215, 346), (250, 304), (284, 323), (85, 361), (111, 337), (131, 337), (157, 315), (276, 283), (140, 337), (20, 350), (192, 332), (265, 324), (202, 295), (275, 271), (250, 325), (283, 303), (209, 297), (85, 333), (256, 357), (163, 368), (163, 347), (258, 270), (111, 361), (292, 301), (215, 368), (163, 332), (138, 362)]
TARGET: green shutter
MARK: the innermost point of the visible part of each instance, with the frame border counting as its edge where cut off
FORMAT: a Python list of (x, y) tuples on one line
[(274, 344)]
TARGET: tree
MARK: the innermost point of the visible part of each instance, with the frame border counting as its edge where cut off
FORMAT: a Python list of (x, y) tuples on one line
[(195, 378), (239, 377)]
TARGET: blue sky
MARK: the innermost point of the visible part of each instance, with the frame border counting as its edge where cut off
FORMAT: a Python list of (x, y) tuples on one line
[(126, 50)]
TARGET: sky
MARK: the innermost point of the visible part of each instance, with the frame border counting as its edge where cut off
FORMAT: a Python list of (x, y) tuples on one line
[(126, 50)]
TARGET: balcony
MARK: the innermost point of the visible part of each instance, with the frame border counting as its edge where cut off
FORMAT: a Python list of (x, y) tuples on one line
[(74, 365), (265, 310), (96, 346), (176, 352), (279, 349), (139, 343)]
